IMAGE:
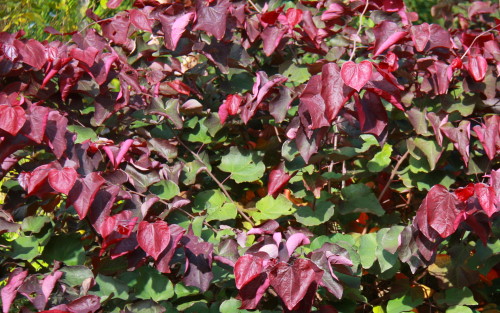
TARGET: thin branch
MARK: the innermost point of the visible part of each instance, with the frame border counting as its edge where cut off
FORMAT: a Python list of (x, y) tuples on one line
[(221, 186), (476, 38), (393, 173), (359, 30), (254, 6)]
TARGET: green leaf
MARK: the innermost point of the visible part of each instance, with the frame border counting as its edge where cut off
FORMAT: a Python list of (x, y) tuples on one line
[(24, 248), (269, 208), (244, 166), (456, 296), (65, 248), (199, 131), (431, 150), (459, 309), (232, 306), (34, 224), (381, 160), (165, 189), (83, 133), (404, 304), (183, 291), (75, 275), (108, 287), (367, 248), (227, 211), (214, 202), (151, 284), (323, 211), (390, 240), (295, 73), (360, 198), (386, 260)]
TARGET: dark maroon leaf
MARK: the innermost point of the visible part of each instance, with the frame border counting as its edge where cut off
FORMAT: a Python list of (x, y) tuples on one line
[(308, 144), (460, 137), (116, 228), (312, 104), (439, 37), (439, 210), (9, 291), (393, 5), (102, 66), (269, 227), (386, 35), (83, 193), (437, 122), (37, 178), (62, 180), (55, 132), (278, 179), (439, 77), (251, 293), (153, 237), (291, 282), (173, 27), (420, 34), (116, 29), (86, 56), (356, 75), (212, 18), (371, 114), (32, 53), (140, 20), (489, 135), (36, 121), (477, 67), (333, 90), (85, 304), (247, 268), (198, 262), (100, 208), (271, 37), (13, 118), (162, 264), (384, 84), (486, 196), (278, 107), (480, 224)]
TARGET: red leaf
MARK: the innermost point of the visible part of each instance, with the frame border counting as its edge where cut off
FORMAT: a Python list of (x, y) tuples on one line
[(212, 18), (270, 17), (333, 90), (140, 20), (334, 11), (477, 67), (420, 34), (486, 196), (438, 211), (173, 27), (85, 304), (37, 178), (278, 179), (62, 180), (356, 75), (9, 291), (292, 282), (12, 118), (460, 137), (372, 115), (36, 121), (83, 193), (489, 135), (464, 193), (180, 87), (113, 4), (386, 34), (162, 264), (86, 56), (272, 36), (294, 16), (246, 269), (312, 103), (230, 106), (33, 53), (153, 237)]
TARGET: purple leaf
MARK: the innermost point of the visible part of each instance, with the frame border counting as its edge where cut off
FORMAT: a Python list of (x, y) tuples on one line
[(271, 37), (296, 240), (313, 104), (386, 34), (113, 4), (173, 27), (117, 29), (437, 122), (83, 193), (269, 228), (36, 121), (460, 137), (55, 132), (356, 75), (372, 115), (291, 282), (85, 304), (278, 179), (140, 20), (9, 291), (198, 262), (333, 90), (48, 284), (162, 264), (230, 106), (251, 293), (100, 208), (439, 37), (153, 237), (32, 53), (420, 34), (488, 134), (62, 180), (13, 118), (278, 107), (480, 7), (212, 18), (385, 85), (247, 268)]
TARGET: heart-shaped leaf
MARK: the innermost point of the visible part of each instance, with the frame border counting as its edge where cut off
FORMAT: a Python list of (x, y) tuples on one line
[(153, 237), (477, 67), (356, 75), (13, 118), (62, 180), (247, 268)]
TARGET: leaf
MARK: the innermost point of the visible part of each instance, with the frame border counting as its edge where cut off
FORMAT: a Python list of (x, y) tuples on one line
[(404, 303), (356, 75), (32, 53), (65, 248), (291, 283), (13, 118), (386, 260), (173, 27), (367, 248), (198, 262), (36, 121), (278, 179), (107, 287), (431, 150), (75, 275), (372, 115), (153, 237), (83, 133), (438, 211), (477, 67), (247, 268), (244, 166), (83, 193), (488, 134), (294, 16), (140, 20), (486, 196), (269, 208), (24, 248), (360, 198), (212, 18), (34, 224), (460, 137), (381, 159), (386, 33), (9, 291), (420, 34), (230, 106), (392, 239), (165, 189), (113, 4), (334, 91), (151, 284), (62, 180), (321, 213), (458, 296)]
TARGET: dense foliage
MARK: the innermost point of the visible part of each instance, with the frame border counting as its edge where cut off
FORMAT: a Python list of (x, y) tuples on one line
[(218, 156)]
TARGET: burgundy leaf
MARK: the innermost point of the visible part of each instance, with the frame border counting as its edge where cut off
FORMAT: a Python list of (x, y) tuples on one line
[(36, 121), (437, 122), (291, 282), (439, 77), (334, 11), (272, 36), (173, 27), (489, 135), (372, 115), (251, 293), (278, 179), (101, 68), (356, 75), (55, 132), (117, 28), (83, 193), (113, 4), (333, 90), (269, 227), (477, 67), (460, 137), (212, 18), (86, 56), (230, 107), (62, 180), (140, 20), (85, 304), (313, 104), (37, 178), (420, 34), (153, 237), (100, 208), (13, 118), (439, 37), (294, 16), (486, 196), (270, 17), (278, 107), (32, 53), (116, 228), (440, 208), (247, 268), (464, 193), (480, 7), (198, 262), (48, 284), (9, 291), (162, 264), (308, 143), (386, 34), (385, 85), (393, 5), (481, 226)]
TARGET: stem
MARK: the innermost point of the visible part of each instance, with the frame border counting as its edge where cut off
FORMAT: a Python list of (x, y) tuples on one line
[(393, 173), (221, 186), (476, 38), (254, 6), (359, 30)]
